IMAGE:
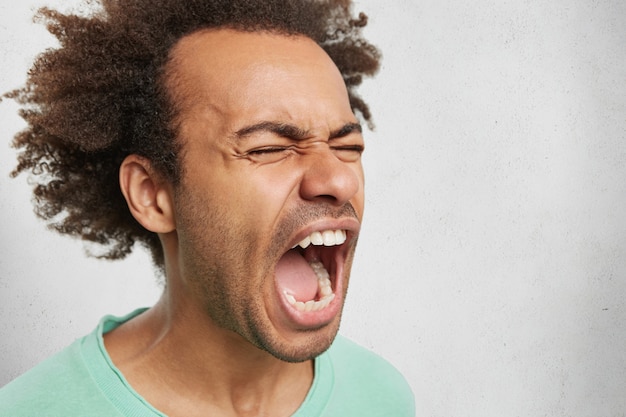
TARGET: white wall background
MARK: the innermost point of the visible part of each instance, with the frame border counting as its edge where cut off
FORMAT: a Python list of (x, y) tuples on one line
[(492, 266)]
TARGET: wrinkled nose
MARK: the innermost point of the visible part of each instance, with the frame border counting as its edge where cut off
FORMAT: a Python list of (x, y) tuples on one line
[(330, 179)]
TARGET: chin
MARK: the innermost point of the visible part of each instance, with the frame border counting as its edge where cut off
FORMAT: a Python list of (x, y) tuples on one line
[(305, 345)]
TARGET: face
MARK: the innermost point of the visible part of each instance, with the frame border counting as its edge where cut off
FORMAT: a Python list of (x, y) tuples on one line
[(270, 202)]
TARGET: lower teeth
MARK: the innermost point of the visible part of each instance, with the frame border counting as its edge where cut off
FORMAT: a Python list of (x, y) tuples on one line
[(324, 290)]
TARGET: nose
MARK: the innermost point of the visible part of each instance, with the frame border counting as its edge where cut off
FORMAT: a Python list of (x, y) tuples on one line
[(328, 178)]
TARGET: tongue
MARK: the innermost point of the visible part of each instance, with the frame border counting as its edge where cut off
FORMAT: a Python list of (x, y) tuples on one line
[(295, 276)]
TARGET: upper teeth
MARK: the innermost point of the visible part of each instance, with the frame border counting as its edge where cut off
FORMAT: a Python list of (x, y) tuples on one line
[(326, 238)]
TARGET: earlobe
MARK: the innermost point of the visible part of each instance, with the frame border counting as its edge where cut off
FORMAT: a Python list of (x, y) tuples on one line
[(148, 196)]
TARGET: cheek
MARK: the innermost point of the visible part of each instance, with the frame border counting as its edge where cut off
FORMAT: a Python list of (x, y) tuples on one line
[(268, 191), (358, 201)]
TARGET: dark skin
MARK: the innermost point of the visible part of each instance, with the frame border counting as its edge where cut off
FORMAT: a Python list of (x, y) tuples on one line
[(270, 155)]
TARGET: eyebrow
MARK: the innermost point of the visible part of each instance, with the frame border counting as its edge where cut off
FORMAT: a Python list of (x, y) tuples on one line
[(345, 130), (293, 132)]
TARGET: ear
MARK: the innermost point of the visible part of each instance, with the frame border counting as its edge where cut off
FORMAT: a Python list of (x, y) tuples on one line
[(148, 196)]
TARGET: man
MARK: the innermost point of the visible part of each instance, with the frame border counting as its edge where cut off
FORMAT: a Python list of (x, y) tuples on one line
[(222, 135)]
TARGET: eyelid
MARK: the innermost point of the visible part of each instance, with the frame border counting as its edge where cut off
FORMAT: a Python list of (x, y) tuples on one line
[(268, 153), (356, 147), (348, 153), (269, 149)]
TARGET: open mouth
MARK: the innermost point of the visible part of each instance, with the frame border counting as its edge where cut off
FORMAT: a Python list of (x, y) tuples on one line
[(307, 273)]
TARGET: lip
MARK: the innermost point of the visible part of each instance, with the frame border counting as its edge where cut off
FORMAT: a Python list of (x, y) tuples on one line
[(302, 320), (350, 225)]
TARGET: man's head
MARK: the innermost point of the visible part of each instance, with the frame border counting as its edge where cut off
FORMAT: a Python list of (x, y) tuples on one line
[(107, 93), (231, 126), (271, 152)]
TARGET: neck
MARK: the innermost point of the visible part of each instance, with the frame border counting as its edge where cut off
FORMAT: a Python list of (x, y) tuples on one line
[(185, 365)]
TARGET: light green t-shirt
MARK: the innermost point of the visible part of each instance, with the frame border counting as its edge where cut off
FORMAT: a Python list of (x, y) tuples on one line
[(81, 381)]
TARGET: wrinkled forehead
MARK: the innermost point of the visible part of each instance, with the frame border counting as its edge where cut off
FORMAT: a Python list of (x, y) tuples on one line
[(226, 70), (209, 59)]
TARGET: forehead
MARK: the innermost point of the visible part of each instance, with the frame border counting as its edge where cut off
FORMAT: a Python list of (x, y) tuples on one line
[(259, 75)]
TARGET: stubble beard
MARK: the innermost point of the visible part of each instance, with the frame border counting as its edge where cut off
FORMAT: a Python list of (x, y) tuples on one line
[(218, 253)]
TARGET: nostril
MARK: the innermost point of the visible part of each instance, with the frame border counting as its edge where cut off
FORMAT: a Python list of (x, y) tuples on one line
[(328, 198)]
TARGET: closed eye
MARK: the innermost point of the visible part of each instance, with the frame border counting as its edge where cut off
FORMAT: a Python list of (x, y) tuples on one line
[(348, 153), (268, 154), (269, 150)]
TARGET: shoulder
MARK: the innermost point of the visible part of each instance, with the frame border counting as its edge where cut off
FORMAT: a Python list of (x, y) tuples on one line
[(57, 386), (368, 379)]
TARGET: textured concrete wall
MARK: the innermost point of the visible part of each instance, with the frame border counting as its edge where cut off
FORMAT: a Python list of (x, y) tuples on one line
[(492, 265)]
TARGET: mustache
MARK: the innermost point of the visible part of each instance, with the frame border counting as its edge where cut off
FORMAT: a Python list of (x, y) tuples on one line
[(307, 214), (304, 214)]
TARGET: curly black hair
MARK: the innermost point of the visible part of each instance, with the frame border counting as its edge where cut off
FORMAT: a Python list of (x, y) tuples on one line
[(100, 97)]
